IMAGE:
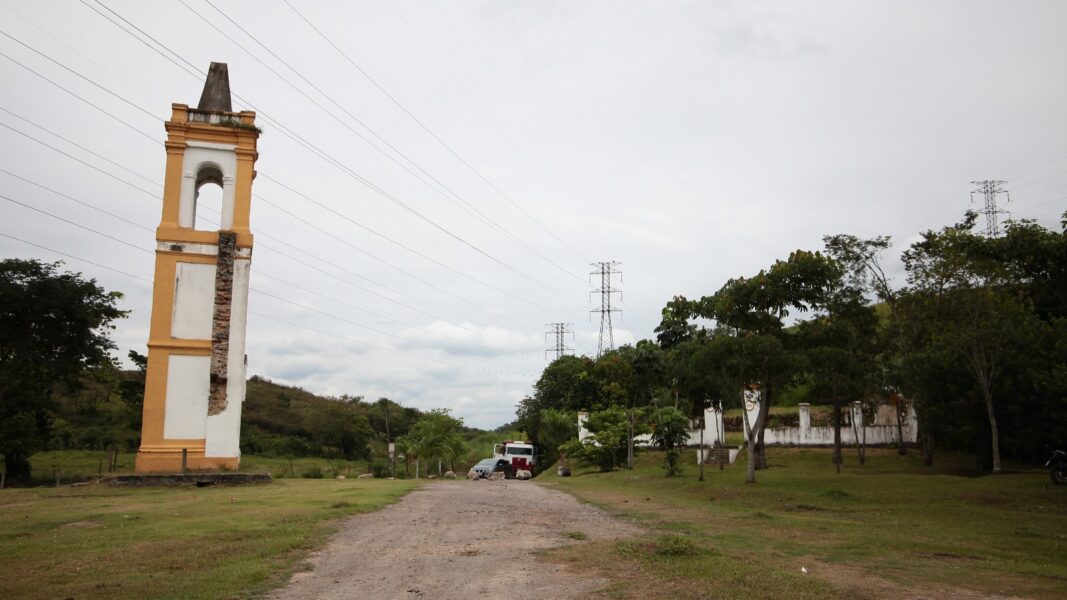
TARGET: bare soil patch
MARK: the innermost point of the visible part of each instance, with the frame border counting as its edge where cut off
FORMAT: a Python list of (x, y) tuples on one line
[(858, 583), (459, 540)]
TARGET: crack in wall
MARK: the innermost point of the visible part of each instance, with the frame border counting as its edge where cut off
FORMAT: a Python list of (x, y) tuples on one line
[(220, 325)]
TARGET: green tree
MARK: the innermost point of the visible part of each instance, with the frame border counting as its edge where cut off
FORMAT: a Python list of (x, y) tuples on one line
[(839, 352), (557, 428), (606, 447), (675, 326), (53, 327), (437, 436), (342, 429), (670, 431), (648, 369), (753, 310)]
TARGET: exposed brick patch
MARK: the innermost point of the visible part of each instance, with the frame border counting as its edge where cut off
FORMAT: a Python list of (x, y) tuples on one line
[(220, 325)]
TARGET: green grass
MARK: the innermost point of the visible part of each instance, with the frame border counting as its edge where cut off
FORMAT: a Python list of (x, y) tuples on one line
[(890, 525), (80, 465), (98, 541)]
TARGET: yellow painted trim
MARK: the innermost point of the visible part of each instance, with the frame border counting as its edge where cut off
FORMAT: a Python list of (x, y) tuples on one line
[(185, 235), (182, 346)]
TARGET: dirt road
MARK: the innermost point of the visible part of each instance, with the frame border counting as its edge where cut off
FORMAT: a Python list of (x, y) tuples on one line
[(457, 540)]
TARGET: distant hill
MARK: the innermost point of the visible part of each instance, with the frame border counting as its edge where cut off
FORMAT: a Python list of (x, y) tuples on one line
[(104, 411), (282, 420)]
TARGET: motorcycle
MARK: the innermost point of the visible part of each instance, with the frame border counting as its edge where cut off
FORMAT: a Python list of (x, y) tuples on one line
[(1057, 467)]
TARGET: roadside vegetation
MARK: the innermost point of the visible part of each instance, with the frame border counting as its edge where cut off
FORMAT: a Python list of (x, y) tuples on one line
[(99, 541), (892, 528)]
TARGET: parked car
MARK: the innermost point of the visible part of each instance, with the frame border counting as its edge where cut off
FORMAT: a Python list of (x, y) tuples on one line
[(489, 466)]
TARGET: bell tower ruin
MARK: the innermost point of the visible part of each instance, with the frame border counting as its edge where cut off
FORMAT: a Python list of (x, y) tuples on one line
[(195, 383)]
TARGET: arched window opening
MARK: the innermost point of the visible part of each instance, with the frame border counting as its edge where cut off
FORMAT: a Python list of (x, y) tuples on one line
[(207, 206)]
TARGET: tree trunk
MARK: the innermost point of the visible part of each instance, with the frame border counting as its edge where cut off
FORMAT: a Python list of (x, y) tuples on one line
[(416, 468), (630, 442), (837, 433), (750, 472), (750, 468), (16, 466), (928, 449), (701, 453), (761, 450), (987, 394), (901, 448), (721, 435), (761, 421), (927, 438), (857, 429), (757, 429)]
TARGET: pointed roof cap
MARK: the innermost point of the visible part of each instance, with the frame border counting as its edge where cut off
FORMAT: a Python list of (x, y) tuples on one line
[(216, 95)]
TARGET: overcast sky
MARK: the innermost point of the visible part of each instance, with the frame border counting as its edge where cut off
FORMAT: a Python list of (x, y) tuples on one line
[(482, 154)]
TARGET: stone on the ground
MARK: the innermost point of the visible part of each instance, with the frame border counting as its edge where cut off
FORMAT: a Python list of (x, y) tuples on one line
[(523, 474), (563, 471), (497, 476), (366, 476), (472, 475), (450, 475), (340, 477)]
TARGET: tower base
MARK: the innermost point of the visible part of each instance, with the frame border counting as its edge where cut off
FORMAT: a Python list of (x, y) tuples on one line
[(168, 459)]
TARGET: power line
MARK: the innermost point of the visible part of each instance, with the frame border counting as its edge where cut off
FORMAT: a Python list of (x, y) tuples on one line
[(71, 256), (78, 225), (154, 195), (606, 271), (148, 229), (75, 200), (401, 245), (296, 325), (426, 128), (87, 102), (381, 191), (87, 59), (80, 147), (306, 264), (77, 74), (257, 291), (111, 116), (312, 147), (447, 192)]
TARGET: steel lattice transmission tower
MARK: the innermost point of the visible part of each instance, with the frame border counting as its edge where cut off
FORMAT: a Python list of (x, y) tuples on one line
[(606, 271), (989, 188), (560, 331)]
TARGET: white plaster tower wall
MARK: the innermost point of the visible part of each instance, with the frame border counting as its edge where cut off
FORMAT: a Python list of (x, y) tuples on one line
[(224, 429)]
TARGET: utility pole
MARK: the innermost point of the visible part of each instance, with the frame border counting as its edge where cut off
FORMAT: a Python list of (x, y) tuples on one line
[(560, 331), (989, 188), (606, 271)]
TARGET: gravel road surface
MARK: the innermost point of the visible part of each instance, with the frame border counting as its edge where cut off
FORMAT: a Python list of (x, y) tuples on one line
[(457, 540)]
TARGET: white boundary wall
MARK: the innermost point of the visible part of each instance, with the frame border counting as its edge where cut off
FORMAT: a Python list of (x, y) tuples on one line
[(803, 435)]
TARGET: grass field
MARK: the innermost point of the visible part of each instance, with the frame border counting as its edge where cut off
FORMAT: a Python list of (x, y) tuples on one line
[(97, 541), (892, 528)]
